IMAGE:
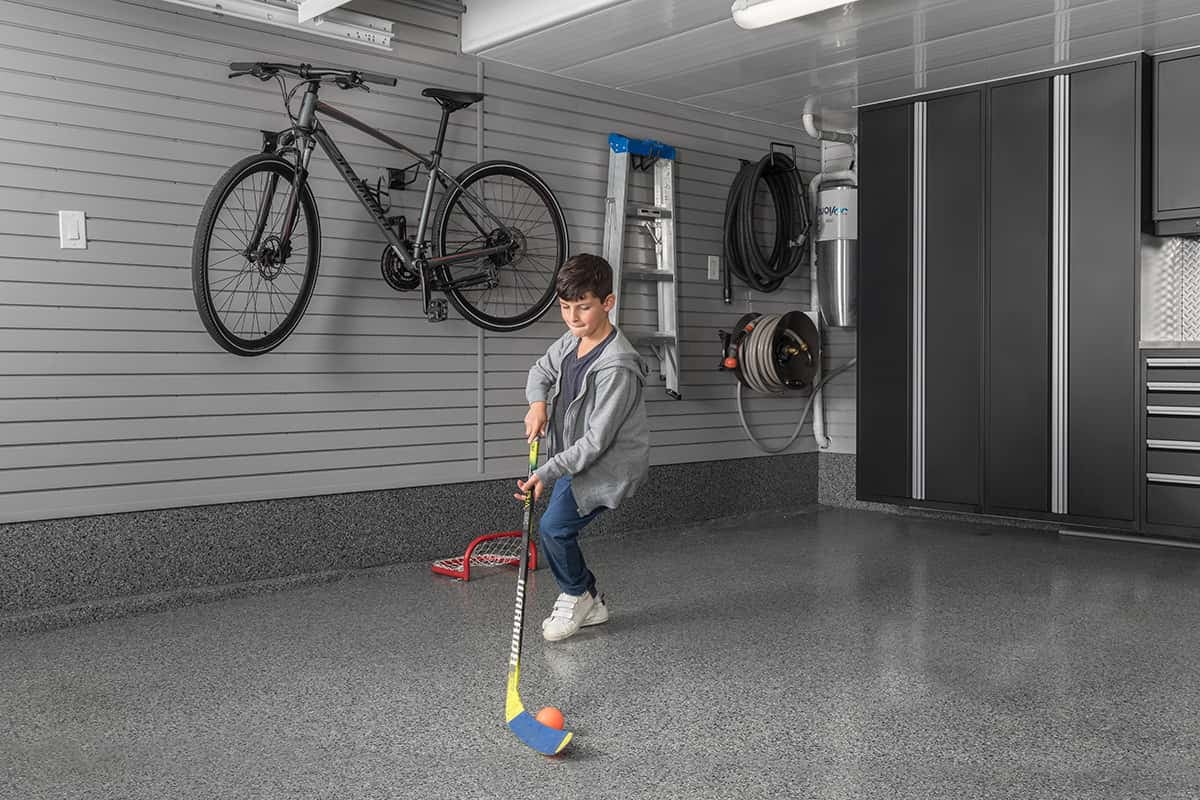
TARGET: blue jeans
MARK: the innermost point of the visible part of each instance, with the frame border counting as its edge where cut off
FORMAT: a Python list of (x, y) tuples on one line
[(559, 528)]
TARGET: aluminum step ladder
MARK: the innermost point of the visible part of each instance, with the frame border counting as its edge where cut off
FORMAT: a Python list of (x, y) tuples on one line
[(658, 221)]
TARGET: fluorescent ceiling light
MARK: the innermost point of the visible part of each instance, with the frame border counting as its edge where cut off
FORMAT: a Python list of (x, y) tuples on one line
[(768, 12), (343, 25)]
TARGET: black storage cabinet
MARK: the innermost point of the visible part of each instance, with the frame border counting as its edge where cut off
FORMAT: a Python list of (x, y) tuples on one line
[(1176, 162), (884, 408), (989, 316), (1017, 441), (953, 297)]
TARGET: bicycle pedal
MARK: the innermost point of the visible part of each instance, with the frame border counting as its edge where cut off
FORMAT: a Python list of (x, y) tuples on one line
[(436, 312)]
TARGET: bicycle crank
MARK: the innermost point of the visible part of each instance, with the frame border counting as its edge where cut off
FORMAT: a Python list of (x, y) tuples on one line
[(395, 273)]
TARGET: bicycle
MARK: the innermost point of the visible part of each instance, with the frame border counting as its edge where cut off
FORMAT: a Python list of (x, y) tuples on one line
[(498, 235)]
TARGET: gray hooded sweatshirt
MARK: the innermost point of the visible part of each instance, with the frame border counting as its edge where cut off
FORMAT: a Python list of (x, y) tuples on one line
[(605, 432)]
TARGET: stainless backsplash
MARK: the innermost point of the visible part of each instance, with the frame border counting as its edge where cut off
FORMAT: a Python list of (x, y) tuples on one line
[(1170, 289)]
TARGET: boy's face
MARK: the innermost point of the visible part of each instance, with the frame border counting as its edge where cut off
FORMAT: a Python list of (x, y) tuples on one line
[(586, 316)]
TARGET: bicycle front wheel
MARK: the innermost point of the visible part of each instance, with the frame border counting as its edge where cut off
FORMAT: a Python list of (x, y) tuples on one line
[(501, 203), (252, 281)]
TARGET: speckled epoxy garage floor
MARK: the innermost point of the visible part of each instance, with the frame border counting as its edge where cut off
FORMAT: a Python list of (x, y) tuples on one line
[(828, 654)]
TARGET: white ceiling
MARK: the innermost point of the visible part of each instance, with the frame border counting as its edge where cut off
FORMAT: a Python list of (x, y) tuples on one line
[(691, 51)]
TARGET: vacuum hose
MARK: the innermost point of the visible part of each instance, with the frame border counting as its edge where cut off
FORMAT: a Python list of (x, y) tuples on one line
[(744, 255)]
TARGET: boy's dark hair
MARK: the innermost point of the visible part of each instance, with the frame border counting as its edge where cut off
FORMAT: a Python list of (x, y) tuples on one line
[(584, 273)]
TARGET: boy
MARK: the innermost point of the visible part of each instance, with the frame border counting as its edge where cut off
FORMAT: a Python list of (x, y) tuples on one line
[(586, 392)]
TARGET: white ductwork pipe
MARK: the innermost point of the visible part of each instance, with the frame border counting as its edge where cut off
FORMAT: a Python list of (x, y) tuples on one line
[(810, 127)]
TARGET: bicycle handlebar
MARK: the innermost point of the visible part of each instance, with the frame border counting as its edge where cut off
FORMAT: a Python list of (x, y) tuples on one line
[(375, 77), (345, 78)]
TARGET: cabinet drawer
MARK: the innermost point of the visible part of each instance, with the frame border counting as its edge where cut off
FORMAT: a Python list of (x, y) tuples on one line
[(1172, 504), (1174, 370), (1182, 461), (1161, 402), (1178, 428)]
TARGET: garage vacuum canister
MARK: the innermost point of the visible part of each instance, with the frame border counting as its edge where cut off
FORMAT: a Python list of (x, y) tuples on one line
[(837, 254)]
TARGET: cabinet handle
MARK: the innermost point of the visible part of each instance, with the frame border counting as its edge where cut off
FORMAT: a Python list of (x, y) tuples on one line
[(1169, 444), (1178, 363), (1181, 480), (1173, 411), (1172, 386)]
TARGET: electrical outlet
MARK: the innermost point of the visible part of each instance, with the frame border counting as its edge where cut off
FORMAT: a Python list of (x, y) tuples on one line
[(72, 230), (714, 268)]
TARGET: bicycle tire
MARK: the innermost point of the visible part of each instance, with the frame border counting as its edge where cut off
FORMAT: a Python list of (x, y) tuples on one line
[(253, 279), (531, 269)]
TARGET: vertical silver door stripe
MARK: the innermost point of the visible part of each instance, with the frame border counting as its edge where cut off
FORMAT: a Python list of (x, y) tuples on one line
[(1060, 261), (918, 301)]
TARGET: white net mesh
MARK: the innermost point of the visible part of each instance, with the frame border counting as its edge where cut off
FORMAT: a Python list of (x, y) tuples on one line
[(489, 550)]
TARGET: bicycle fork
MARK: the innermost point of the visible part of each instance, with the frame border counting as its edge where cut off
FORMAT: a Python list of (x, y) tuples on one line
[(255, 252)]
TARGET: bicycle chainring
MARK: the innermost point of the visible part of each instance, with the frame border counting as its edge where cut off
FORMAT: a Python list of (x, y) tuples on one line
[(398, 276)]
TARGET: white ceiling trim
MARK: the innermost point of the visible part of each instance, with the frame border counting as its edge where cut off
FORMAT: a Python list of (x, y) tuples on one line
[(488, 23), (314, 8)]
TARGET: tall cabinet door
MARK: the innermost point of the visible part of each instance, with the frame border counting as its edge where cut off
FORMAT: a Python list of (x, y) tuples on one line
[(953, 279), (1102, 289), (885, 155), (1017, 410)]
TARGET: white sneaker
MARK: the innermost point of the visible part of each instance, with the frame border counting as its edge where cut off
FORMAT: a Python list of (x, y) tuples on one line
[(572, 613)]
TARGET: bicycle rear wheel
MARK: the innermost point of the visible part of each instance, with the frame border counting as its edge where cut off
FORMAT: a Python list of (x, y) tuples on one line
[(522, 212), (251, 286)]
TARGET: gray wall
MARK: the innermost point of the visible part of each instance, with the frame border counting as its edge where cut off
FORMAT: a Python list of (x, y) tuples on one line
[(114, 399)]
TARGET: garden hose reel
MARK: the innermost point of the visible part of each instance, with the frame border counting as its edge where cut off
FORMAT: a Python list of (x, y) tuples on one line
[(773, 353)]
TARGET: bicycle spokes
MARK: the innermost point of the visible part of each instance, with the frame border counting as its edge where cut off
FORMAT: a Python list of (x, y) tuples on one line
[(256, 280), (524, 225), (258, 288)]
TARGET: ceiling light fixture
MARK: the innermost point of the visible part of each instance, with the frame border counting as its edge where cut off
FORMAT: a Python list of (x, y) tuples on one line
[(749, 14), (343, 25)]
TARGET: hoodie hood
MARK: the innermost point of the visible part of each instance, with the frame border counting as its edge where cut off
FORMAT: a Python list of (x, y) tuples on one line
[(621, 353)]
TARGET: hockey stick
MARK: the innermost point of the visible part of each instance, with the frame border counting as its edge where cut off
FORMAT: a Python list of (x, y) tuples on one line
[(540, 737)]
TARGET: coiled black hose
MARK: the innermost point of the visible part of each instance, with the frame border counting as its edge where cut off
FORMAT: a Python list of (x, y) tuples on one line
[(744, 255)]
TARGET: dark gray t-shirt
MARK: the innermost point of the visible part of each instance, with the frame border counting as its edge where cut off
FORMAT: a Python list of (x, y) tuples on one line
[(571, 381)]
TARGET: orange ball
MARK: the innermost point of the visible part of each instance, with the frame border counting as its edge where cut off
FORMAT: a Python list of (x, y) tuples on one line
[(551, 717)]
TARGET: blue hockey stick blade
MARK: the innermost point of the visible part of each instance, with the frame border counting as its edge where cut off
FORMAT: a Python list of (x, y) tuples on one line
[(546, 740)]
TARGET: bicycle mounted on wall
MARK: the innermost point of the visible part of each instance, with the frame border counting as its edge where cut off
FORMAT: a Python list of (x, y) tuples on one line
[(498, 236)]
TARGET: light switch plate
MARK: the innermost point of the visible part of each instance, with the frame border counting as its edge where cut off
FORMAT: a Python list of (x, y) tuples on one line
[(72, 229), (714, 268)]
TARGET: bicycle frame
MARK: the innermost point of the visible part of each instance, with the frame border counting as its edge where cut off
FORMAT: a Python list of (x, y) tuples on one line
[(309, 132)]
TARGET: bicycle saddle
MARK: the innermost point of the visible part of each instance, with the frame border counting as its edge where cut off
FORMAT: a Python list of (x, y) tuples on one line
[(452, 100)]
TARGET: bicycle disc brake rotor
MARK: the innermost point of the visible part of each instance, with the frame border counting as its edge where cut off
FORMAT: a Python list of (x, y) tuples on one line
[(271, 258)]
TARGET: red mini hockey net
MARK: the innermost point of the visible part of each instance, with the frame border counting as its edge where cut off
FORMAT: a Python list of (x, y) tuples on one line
[(490, 550)]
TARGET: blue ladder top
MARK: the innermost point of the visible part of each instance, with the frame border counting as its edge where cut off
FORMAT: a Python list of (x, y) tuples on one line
[(640, 147)]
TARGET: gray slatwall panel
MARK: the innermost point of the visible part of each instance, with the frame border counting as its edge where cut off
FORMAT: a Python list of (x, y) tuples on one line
[(94, 409), (107, 430), (113, 398), (533, 110), (109, 497)]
